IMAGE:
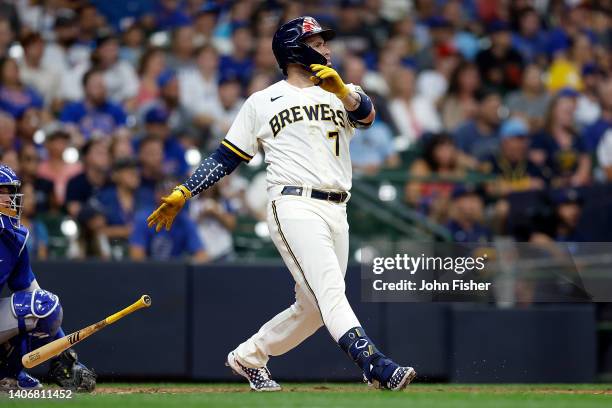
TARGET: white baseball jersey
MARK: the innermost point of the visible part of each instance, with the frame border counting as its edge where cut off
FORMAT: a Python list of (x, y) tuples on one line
[(305, 134)]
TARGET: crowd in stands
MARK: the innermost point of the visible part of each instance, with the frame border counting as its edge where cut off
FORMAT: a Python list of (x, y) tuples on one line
[(106, 105)]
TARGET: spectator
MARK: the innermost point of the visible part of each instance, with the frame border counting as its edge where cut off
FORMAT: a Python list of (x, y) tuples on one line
[(413, 114), (179, 119), (592, 134), (6, 36), (459, 104), (156, 125), (7, 132), (263, 58), (352, 33), (604, 155), (29, 161), (152, 64), (181, 240), (151, 159), (28, 123), (119, 76), (38, 238), (588, 106), (557, 147), (92, 241), (372, 148), (45, 80), (55, 168), (170, 14), (198, 86), (65, 53), (119, 201), (563, 225), (440, 159), (204, 23), (132, 44), (478, 137), (82, 187), (240, 63), (530, 39), (15, 97), (121, 147), (215, 218), (511, 165), (500, 65), (531, 101), (230, 99), (95, 115), (181, 55), (467, 214)]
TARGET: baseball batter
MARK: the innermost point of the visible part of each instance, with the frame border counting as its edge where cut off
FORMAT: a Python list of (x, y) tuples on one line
[(304, 124)]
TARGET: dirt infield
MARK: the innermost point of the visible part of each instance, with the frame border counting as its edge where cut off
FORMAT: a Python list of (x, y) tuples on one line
[(350, 388)]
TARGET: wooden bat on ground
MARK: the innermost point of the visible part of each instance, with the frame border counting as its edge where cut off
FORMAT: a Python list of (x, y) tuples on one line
[(44, 353)]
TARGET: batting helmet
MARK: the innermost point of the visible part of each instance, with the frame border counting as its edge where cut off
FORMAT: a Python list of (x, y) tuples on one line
[(289, 47), (10, 197)]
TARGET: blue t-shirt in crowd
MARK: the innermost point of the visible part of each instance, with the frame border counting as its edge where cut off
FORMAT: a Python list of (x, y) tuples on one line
[(232, 68), (92, 119), (15, 102), (471, 140), (530, 48), (182, 239), (113, 211), (593, 133), (372, 146), (15, 269)]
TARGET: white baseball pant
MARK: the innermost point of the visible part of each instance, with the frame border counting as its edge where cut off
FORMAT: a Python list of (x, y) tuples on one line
[(312, 238)]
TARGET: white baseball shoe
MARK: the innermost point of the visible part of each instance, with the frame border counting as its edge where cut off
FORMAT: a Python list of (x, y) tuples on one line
[(259, 378)]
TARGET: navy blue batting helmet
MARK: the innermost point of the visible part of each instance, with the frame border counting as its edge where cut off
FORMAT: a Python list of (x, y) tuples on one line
[(289, 47)]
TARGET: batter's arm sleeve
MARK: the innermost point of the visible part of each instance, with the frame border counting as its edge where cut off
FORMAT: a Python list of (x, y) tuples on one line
[(363, 116), (239, 145)]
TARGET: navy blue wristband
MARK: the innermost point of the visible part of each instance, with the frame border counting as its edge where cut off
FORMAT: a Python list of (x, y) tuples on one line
[(363, 110)]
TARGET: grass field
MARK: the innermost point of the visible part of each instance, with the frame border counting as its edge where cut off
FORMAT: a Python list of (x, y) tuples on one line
[(333, 396)]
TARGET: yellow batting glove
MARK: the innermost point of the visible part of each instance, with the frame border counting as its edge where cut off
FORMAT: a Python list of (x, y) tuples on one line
[(170, 207), (328, 79)]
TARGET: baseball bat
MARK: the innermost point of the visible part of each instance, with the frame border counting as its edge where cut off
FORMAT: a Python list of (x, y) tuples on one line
[(44, 353)]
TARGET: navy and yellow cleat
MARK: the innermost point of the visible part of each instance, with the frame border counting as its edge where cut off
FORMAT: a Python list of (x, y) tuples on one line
[(259, 378)]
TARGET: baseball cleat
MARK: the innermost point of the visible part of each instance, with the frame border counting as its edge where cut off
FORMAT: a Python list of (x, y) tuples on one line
[(259, 378), (23, 381), (401, 377)]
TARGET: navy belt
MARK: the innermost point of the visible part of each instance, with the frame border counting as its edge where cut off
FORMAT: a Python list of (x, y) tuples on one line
[(333, 196)]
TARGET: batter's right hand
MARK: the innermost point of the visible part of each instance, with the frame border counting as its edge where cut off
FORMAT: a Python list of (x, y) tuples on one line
[(171, 205)]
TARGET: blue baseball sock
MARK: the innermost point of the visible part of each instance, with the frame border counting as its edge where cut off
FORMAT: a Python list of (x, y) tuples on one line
[(374, 364)]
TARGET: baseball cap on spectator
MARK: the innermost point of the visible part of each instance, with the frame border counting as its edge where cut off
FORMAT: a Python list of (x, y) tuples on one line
[(351, 3), (462, 190), (568, 92), (165, 77), (105, 37), (64, 18), (591, 69), (566, 196), (434, 22), (513, 127), (57, 134), (497, 26), (125, 163), (156, 114), (228, 77), (207, 8)]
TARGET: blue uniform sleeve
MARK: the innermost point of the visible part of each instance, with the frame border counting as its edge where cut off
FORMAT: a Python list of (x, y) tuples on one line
[(119, 116), (220, 163), (13, 251)]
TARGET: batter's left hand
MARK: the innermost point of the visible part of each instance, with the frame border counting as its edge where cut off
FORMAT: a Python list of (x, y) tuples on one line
[(328, 79)]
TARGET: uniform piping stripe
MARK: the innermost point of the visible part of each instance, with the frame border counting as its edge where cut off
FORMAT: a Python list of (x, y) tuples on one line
[(294, 257), (236, 150)]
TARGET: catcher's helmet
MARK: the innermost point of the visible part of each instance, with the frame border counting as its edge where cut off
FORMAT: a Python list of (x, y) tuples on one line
[(10, 198), (289, 47)]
